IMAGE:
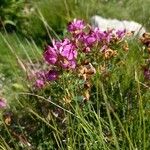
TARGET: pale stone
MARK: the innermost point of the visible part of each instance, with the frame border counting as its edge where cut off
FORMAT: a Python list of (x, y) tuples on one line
[(104, 24)]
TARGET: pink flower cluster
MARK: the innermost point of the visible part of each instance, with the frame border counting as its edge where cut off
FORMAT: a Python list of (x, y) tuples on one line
[(76, 25), (86, 38), (61, 54), (42, 77), (82, 39)]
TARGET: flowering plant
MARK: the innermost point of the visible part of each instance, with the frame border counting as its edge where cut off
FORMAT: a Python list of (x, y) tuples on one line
[(83, 52)]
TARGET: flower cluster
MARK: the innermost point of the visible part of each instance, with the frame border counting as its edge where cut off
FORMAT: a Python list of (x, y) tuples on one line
[(76, 26), (61, 54), (38, 76), (43, 76), (81, 40), (93, 38)]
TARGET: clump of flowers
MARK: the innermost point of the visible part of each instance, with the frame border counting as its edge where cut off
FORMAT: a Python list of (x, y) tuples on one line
[(40, 77), (83, 43), (62, 54), (76, 26)]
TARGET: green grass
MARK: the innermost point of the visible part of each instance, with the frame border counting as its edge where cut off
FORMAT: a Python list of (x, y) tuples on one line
[(117, 114), (58, 14), (15, 53)]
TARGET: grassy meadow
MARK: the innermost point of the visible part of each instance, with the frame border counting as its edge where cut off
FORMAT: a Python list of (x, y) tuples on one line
[(108, 110)]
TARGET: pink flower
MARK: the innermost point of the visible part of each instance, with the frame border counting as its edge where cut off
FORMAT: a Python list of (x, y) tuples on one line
[(67, 50), (68, 64), (85, 41), (52, 75), (40, 79), (62, 54), (87, 50), (104, 48), (39, 83), (102, 36), (88, 39), (121, 33), (76, 25), (2, 103), (50, 55)]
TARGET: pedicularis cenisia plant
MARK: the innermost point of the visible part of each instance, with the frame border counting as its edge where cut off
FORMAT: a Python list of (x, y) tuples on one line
[(83, 52)]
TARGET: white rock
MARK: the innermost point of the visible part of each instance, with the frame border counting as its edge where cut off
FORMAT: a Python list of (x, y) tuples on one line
[(104, 24)]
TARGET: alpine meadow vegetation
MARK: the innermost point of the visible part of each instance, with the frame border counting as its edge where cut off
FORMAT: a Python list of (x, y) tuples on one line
[(74, 87)]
